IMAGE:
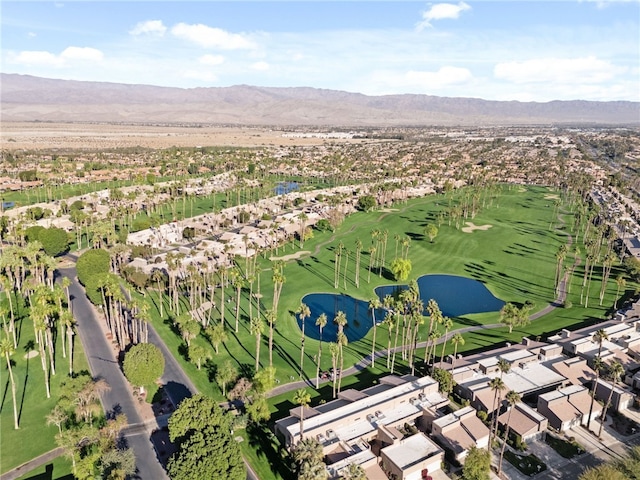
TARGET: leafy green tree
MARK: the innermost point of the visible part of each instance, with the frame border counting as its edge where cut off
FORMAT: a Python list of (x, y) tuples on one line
[(258, 409), (444, 379), (225, 374), (92, 263), (55, 241), (264, 380), (400, 268), (477, 465), (198, 354), (206, 454), (366, 203), (118, 464), (431, 231), (143, 364), (206, 448)]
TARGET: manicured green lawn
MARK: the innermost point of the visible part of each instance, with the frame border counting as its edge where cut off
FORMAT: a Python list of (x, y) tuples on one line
[(58, 469), (566, 448), (527, 464), (34, 437), (515, 259)]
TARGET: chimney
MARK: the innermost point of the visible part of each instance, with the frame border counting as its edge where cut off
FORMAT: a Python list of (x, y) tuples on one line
[(566, 333), (526, 341)]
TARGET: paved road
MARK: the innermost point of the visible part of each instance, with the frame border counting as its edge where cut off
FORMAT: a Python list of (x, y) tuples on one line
[(103, 364)]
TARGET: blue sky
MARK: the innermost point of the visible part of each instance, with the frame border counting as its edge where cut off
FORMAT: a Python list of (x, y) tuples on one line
[(507, 50)]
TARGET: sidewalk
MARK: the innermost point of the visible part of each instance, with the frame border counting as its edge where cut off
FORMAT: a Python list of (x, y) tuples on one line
[(32, 464)]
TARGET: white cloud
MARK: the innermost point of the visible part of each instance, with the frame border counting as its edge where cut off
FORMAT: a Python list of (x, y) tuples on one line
[(82, 53), (441, 11), (37, 57), (210, 37), (32, 34), (149, 27), (444, 77), (559, 70), (211, 59), (261, 66), (68, 55)]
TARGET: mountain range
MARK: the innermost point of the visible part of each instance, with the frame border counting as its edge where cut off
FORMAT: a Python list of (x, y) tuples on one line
[(29, 98)]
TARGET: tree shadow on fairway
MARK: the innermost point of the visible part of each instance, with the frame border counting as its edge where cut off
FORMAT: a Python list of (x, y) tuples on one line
[(30, 345), (266, 445), (315, 272), (48, 474)]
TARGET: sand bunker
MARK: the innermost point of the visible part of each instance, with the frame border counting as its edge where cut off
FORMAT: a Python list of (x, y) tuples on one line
[(388, 210), (293, 256), (471, 227), (31, 354), (552, 196)]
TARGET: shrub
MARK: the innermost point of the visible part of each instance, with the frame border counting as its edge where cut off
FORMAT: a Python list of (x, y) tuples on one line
[(92, 262)]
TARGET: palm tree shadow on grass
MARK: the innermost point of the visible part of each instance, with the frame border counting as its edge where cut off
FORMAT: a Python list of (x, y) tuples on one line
[(267, 445), (29, 346), (48, 474)]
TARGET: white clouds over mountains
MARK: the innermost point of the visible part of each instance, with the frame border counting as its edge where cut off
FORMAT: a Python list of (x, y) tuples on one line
[(422, 53)]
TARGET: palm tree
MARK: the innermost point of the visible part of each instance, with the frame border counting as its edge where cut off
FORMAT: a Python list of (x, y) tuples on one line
[(598, 365), (497, 385), (448, 323), (616, 370), (620, 284), (374, 303), (303, 313), (67, 319), (353, 471), (302, 398), (457, 340), (334, 349), (342, 342), (321, 322), (390, 322), (271, 318), (257, 328), (217, 335), (7, 350), (599, 337), (513, 397)]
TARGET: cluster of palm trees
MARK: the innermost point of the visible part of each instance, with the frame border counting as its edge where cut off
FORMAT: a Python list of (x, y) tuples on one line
[(26, 272)]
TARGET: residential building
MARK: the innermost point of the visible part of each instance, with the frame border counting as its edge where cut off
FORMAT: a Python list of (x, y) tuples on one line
[(568, 407), (411, 458), (458, 431), (525, 422)]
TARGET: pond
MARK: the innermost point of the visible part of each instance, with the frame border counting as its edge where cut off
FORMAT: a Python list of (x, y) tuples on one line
[(283, 188), (456, 296)]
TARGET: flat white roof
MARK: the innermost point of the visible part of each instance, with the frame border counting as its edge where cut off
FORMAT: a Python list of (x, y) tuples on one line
[(411, 450), (532, 376), (367, 403)]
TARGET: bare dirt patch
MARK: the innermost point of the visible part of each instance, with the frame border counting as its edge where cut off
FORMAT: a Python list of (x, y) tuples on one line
[(471, 227), (31, 354), (35, 136), (293, 256)]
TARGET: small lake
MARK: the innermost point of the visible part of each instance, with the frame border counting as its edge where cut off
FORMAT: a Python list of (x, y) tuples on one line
[(456, 296), (283, 188)]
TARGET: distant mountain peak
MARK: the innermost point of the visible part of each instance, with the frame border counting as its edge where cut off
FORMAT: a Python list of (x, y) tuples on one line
[(29, 98)]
